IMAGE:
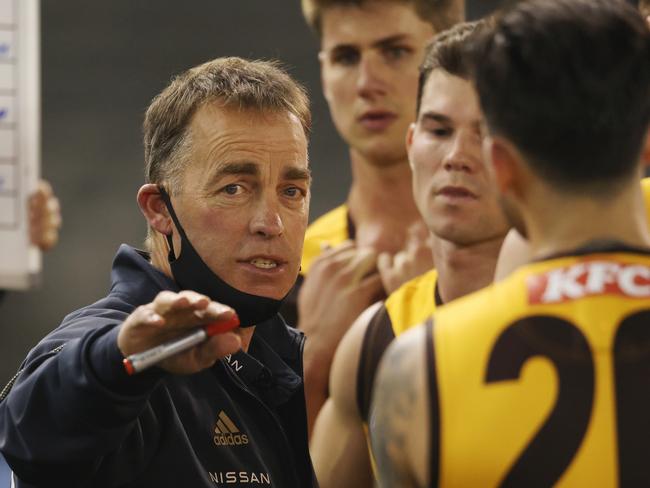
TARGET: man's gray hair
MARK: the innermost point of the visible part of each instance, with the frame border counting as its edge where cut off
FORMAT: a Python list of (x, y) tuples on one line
[(261, 86)]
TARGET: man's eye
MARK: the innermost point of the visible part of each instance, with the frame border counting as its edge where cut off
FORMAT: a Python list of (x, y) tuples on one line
[(232, 189), (441, 131), (395, 53), (293, 192), (345, 57)]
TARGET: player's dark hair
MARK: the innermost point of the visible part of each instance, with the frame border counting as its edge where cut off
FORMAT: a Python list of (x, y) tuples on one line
[(568, 82), (448, 51)]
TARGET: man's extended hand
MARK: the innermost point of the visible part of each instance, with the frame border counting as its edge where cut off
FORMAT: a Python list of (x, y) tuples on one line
[(172, 315), (415, 259)]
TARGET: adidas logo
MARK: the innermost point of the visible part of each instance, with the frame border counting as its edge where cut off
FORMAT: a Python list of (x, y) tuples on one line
[(226, 433)]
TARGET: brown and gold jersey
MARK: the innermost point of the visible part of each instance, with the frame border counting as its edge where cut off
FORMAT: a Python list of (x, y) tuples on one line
[(544, 378), (331, 229), (409, 305)]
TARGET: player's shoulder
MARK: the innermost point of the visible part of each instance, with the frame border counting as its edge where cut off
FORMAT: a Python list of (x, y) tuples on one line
[(350, 345), (413, 302), (412, 339), (499, 299), (343, 377), (329, 229), (420, 285), (405, 356)]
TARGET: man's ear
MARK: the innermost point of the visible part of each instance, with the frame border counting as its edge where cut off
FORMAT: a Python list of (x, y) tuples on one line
[(153, 208), (505, 163), (322, 60), (409, 137)]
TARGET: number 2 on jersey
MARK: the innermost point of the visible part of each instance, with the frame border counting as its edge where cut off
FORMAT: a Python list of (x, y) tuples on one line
[(555, 444)]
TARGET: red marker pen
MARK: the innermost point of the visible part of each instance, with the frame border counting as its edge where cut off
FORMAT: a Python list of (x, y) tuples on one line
[(145, 359)]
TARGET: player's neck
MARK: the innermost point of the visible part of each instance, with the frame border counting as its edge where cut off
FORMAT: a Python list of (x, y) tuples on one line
[(381, 203), (464, 269), (560, 225), (381, 191)]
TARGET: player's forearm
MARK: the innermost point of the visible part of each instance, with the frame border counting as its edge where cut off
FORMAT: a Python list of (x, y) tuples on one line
[(339, 450), (317, 365)]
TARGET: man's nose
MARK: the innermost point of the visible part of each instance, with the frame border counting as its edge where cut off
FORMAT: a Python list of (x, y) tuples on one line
[(371, 80), (266, 220), (462, 155)]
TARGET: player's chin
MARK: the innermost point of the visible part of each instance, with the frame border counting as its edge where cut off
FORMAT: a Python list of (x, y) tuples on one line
[(459, 231)]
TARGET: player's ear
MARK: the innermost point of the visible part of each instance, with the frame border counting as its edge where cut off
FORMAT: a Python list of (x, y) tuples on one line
[(409, 137), (322, 60), (153, 208), (504, 162)]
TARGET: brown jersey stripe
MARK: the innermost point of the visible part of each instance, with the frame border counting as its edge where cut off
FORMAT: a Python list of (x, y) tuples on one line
[(434, 408), (378, 336)]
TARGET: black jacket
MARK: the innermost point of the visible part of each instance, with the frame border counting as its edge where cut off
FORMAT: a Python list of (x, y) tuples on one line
[(74, 418)]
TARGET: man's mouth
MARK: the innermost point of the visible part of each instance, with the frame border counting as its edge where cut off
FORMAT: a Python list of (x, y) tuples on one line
[(377, 120), (456, 192), (264, 263)]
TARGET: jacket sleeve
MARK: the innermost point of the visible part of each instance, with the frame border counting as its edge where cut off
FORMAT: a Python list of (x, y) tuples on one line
[(74, 413)]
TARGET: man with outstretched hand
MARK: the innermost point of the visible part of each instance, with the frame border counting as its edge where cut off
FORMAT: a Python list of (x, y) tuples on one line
[(226, 201)]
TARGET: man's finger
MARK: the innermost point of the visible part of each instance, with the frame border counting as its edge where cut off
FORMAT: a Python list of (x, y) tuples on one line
[(362, 264), (401, 261), (329, 250), (384, 262), (337, 259), (217, 347), (371, 286), (215, 311), (196, 300), (146, 315), (165, 300)]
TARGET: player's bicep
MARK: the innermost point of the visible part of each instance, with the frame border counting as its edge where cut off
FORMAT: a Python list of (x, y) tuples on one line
[(399, 417), (345, 367)]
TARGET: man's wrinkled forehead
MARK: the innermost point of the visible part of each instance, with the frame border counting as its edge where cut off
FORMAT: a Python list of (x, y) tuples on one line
[(245, 139)]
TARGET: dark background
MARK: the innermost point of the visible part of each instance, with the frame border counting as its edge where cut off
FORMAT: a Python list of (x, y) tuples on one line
[(102, 62)]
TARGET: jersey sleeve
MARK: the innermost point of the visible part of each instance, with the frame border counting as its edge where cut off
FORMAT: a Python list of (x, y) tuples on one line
[(434, 407), (376, 340)]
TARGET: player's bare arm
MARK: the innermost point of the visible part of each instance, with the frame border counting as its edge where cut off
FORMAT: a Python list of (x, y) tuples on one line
[(341, 284), (338, 444), (399, 444)]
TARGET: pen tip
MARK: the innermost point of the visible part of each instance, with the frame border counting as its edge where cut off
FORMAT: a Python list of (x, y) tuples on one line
[(128, 366)]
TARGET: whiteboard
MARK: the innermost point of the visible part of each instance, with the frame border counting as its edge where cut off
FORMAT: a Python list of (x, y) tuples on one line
[(20, 262)]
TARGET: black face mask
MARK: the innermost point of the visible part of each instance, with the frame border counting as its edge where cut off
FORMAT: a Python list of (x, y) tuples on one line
[(191, 273)]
